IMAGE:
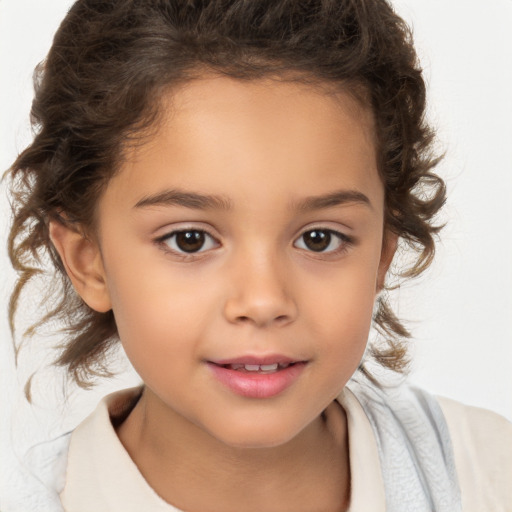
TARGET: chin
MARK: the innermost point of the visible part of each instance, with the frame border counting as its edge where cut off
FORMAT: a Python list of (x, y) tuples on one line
[(257, 435)]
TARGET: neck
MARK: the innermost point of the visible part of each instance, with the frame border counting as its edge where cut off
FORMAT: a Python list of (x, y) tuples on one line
[(194, 471)]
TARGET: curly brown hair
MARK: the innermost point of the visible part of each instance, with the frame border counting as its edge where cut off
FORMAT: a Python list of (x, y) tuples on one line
[(98, 91)]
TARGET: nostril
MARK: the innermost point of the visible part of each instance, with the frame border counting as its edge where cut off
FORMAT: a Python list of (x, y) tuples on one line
[(248, 319), (260, 311)]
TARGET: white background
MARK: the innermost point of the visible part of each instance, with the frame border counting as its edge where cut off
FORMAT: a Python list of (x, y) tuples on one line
[(460, 313)]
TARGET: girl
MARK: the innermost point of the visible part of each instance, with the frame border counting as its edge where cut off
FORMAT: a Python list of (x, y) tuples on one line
[(222, 186)]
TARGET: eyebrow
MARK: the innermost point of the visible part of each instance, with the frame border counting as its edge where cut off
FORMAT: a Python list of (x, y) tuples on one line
[(186, 199), (337, 198), (198, 201)]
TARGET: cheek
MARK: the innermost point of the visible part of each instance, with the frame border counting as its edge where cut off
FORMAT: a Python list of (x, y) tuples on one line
[(342, 314), (144, 285), (344, 299), (158, 316)]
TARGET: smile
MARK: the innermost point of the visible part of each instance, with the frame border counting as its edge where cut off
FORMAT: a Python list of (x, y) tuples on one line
[(260, 368), (253, 379)]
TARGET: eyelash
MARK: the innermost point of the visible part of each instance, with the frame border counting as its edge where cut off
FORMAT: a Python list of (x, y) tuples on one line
[(344, 241), (164, 241)]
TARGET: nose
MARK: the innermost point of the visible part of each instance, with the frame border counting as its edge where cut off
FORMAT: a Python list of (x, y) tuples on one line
[(260, 292)]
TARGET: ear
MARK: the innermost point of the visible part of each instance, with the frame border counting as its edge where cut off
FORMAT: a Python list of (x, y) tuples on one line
[(82, 261), (389, 245)]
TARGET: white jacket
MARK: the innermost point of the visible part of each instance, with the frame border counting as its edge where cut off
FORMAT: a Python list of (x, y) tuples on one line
[(408, 452)]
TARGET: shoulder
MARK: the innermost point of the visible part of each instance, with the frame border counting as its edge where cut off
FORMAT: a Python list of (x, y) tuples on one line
[(482, 446), (100, 473), (416, 458), (442, 441)]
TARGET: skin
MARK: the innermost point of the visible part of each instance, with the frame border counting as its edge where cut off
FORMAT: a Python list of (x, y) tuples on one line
[(263, 148)]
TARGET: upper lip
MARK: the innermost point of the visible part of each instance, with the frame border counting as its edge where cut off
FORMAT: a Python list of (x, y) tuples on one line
[(261, 360)]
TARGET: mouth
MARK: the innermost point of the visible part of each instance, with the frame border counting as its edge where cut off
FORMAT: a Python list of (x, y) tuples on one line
[(253, 377), (257, 368)]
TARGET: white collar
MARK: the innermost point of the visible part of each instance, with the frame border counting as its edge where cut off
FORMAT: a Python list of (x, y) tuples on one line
[(98, 460)]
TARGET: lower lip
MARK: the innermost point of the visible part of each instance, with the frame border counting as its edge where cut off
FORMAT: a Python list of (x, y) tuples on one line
[(257, 385)]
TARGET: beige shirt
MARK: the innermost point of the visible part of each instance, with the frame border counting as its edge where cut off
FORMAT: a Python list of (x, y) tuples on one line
[(482, 443)]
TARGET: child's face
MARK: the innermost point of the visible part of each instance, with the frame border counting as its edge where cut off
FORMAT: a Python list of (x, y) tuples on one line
[(247, 230)]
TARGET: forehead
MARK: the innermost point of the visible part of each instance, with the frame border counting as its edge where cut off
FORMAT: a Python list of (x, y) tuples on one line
[(223, 133), (298, 110)]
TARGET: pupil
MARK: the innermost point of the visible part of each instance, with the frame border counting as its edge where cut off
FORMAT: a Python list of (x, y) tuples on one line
[(190, 241), (317, 240)]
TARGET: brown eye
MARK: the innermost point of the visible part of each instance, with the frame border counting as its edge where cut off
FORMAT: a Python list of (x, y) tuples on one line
[(322, 240), (317, 240), (189, 241)]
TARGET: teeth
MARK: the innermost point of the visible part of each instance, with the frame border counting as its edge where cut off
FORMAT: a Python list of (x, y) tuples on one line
[(259, 367), (268, 367)]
